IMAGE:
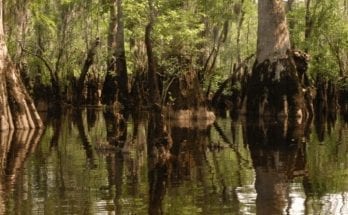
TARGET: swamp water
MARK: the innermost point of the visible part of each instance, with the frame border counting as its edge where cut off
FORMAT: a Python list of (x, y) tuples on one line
[(229, 167)]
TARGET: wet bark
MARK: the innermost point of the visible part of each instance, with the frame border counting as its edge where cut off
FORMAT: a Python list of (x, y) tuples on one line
[(275, 88), (87, 64), (94, 86), (17, 109)]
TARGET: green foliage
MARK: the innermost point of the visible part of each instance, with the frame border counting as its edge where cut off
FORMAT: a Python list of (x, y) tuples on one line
[(328, 40), (185, 33), (177, 36)]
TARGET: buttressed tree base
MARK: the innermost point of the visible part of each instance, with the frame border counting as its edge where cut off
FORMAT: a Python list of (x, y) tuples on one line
[(275, 87), (17, 109)]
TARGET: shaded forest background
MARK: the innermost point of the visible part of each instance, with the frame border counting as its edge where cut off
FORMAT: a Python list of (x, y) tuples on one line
[(95, 51)]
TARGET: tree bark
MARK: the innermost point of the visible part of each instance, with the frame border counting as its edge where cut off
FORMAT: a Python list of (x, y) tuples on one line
[(239, 29), (289, 7), (88, 63), (110, 83), (275, 86), (17, 13), (154, 94), (120, 54), (210, 62), (308, 21), (17, 110), (272, 33), (116, 80)]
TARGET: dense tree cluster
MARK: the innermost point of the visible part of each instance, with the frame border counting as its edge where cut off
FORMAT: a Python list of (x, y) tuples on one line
[(202, 50)]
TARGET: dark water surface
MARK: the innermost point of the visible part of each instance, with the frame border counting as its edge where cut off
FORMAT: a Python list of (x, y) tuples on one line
[(87, 165)]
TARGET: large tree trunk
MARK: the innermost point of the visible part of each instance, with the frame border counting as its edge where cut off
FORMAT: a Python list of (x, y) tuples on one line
[(17, 15), (154, 94), (275, 87), (87, 64), (17, 110), (241, 14), (120, 54), (110, 84), (159, 141), (272, 33), (116, 80)]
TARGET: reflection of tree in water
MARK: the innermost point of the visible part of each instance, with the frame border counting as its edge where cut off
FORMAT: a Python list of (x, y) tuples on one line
[(159, 143), (324, 124), (189, 149), (15, 148), (124, 157), (278, 154), (175, 156), (116, 128), (116, 131), (85, 139), (326, 184), (91, 117), (57, 127)]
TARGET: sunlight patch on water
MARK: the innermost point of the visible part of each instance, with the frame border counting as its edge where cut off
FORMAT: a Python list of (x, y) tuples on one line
[(296, 202), (247, 197), (334, 203)]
